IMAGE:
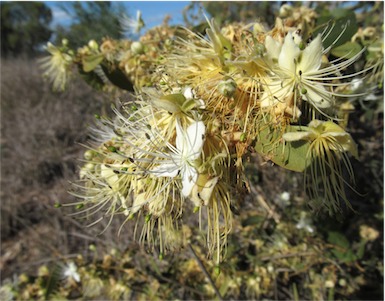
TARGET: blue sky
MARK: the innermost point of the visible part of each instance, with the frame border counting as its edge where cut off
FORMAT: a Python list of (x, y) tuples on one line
[(153, 12)]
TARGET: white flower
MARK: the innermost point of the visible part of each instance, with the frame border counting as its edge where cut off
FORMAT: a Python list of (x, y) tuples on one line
[(285, 196), (132, 26), (189, 94), (299, 70), (325, 131), (71, 272), (298, 73), (57, 66), (305, 223), (182, 158)]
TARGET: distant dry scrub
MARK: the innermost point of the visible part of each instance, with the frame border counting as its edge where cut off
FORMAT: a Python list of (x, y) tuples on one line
[(41, 132)]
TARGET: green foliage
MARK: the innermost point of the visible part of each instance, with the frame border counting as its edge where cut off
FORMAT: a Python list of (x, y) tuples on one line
[(117, 78), (347, 50), (24, 27), (341, 25), (52, 283), (91, 21), (288, 155)]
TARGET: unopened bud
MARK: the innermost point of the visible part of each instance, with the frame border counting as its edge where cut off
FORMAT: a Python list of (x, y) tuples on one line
[(93, 45), (137, 48), (285, 11), (88, 155), (227, 87), (147, 218), (369, 32), (217, 270)]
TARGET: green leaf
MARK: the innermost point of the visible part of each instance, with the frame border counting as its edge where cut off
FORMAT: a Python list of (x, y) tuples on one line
[(361, 249), (335, 34), (338, 239), (224, 287), (118, 78), (290, 155), (52, 283), (253, 220), (91, 62), (347, 50), (176, 98)]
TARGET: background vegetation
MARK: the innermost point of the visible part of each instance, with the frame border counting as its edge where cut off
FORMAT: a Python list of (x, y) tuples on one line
[(278, 248)]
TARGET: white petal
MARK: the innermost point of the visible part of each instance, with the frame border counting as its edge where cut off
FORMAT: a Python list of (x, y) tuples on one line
[(311, 56), (167, 169), (289, 53), (195, 138), (315, 123), (139, 201), (207, 191), (296, 136), (190, 143), (318, 96), (189, 178), (273, 47), (180, 137), (188, 93), (76, 277), (111, 178), (274, 92)]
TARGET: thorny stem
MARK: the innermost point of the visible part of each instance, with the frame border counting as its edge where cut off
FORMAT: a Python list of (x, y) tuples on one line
[(205, 272)]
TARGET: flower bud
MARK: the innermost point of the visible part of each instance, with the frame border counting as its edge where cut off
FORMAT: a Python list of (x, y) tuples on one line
[(227, 87), (217, 270), (369, 32), (137, 48), (93, 45), (285, 11), (88, 155)]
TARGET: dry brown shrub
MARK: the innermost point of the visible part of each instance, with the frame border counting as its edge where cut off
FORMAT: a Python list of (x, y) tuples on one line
[(41, 133)]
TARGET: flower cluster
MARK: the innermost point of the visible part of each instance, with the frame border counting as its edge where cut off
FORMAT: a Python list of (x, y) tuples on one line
[(159, 151), (207, 102)]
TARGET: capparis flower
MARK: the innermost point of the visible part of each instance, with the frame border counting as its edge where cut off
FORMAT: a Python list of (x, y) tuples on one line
[(182, 159)]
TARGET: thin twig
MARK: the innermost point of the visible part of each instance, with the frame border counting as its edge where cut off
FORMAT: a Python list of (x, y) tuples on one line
[(271, 213), (206, 273), (299, 254)]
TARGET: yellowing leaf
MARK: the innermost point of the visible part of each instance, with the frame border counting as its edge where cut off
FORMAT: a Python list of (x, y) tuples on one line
[(91, 62)]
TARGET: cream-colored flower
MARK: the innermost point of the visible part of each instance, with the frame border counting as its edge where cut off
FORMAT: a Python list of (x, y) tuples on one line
[(299, 73), (325, 130), (328, 147), (132, 25), (57, 67), (182, 159), (70, 272)]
